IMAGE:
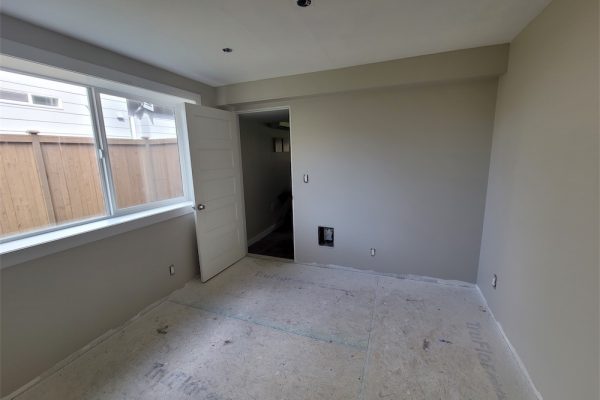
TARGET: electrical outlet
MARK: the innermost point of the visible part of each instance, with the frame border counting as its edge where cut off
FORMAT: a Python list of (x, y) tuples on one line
[(494, 281), (172, 269), (373, 252)]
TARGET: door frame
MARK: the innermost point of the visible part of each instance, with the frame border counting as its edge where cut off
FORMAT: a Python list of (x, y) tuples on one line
[(289, 110)]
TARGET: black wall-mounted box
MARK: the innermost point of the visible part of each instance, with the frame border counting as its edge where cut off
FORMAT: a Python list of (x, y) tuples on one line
[(325, 236)]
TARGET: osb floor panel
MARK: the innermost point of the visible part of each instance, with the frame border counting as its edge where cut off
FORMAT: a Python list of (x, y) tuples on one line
[(266, 330)]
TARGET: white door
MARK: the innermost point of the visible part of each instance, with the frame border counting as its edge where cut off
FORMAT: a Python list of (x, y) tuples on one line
[(214, 139)]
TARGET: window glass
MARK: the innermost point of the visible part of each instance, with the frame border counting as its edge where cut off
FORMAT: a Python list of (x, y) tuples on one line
[(45, 101), (10, 95), (49, 171), (143, 150)]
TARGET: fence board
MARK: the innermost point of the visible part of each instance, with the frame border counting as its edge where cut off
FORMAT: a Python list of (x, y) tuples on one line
[(167, 173), (21, 198), (74, 180), (128, 175), (74, 184), (41, 169)]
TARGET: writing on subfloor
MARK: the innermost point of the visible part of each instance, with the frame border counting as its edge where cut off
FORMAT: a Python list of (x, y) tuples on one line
[(485, 356), (179, 381)]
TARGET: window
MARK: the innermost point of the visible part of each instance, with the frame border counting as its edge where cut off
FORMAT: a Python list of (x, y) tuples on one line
[(45, 101), (76, 154), (143, 151), (9, 95)]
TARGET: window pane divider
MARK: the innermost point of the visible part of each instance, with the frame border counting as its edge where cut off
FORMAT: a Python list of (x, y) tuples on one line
[(102, 151)]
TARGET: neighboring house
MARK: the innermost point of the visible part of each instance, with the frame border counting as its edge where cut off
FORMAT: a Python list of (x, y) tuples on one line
[(30, 104)]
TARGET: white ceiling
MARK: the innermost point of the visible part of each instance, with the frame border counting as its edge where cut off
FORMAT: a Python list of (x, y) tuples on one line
[(276, 37)]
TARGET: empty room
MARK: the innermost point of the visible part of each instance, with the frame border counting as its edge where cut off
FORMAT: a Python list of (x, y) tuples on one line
[(300, 200)]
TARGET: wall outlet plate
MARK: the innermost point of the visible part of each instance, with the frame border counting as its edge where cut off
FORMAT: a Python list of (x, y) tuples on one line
[(172, 269)]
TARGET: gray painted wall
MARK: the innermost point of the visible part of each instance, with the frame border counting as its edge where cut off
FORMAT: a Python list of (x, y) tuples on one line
[(53, 306), (266, 174), (403, 170), (400, 170), (541, 223)]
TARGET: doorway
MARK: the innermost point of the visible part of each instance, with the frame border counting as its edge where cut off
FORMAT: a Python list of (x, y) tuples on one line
[(267, 174)]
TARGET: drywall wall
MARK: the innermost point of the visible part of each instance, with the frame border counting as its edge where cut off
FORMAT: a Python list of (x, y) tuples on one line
[(465, 64), (402, 170), (266, 174), (24, 40), (541, 223), (55, 305)]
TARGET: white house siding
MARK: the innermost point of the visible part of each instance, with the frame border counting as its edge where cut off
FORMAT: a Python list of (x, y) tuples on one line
[(118, 123), (72, 117)]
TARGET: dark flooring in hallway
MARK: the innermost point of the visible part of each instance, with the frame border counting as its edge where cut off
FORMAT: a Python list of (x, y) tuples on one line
[(279, 243)]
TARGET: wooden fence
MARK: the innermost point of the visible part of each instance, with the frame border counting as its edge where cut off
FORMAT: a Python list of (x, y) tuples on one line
[(47, 180)]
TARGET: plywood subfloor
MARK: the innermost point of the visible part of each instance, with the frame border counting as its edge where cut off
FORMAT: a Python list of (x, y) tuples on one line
[(266, 330)]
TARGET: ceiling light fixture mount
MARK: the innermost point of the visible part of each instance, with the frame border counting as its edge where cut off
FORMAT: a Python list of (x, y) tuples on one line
[(227, 50), (303, 3)]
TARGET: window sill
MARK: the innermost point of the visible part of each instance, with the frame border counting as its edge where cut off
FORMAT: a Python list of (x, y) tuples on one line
[(30, 248)]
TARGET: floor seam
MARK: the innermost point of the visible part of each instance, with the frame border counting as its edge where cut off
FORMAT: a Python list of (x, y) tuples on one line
[(361, 393), (273, 327)]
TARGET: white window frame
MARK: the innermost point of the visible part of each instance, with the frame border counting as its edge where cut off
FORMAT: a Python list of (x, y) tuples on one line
[(104, 154), (114, 215)]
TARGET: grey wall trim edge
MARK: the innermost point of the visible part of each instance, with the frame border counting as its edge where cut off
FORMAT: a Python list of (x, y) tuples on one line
[(480, 62)]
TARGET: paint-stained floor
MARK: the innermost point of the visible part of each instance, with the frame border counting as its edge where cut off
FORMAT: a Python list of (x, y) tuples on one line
[(265, 329)]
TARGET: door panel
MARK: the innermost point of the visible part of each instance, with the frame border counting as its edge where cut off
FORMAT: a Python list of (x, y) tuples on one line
[(224, 215), (217, 176), (210, 160), (219, 188)]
